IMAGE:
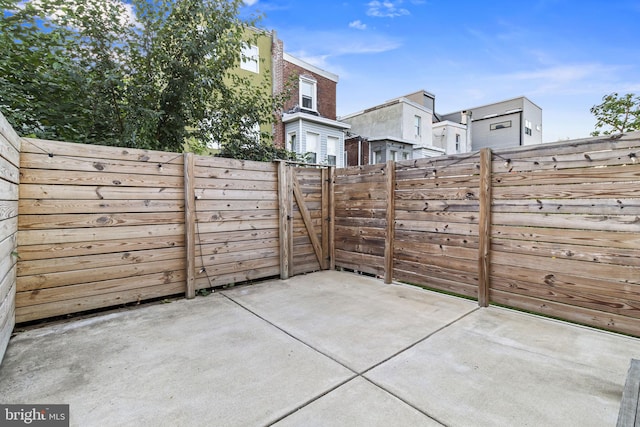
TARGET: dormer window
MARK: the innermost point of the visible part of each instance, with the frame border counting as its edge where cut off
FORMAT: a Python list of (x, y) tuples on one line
[(308, 93)]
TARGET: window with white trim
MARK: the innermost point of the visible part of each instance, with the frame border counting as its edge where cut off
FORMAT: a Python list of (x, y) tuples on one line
[(250, 58), (308, 93), (377, 157), (332, 150), (293, 143), (418, 125), (313, 140)]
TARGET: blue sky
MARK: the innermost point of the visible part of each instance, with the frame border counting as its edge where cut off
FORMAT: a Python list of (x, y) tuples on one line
[(563, 55)]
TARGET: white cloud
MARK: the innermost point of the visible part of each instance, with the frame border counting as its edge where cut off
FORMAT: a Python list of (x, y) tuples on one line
[(324, 44), (386, 9), (569, 78), (250, 2), (358, 25)]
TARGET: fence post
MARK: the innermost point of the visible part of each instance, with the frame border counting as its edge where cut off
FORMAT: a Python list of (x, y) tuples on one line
[(189, 224), (391, 220), (285, 215), (324, 174), (484, 229), (332, 218)]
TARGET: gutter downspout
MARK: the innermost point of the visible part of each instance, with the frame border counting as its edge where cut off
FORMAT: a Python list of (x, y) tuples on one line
[(467, 114)]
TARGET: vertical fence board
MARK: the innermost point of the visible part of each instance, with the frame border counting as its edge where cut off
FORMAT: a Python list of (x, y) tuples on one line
[(390, 218), (284, 204), (325, 218), (484, 231), (332, 218), (189, 224)]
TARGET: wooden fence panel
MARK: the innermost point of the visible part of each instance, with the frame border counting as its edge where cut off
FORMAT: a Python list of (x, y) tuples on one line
[(360, 218), (98, 226), (437, 223), (236, 221), (565, 231), (9, 180), (309, 223)]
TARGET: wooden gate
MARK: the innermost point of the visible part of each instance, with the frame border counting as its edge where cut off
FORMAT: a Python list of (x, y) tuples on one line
[(305, 219)]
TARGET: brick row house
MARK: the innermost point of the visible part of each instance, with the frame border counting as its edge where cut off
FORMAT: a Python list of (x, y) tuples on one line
[(307, 125)]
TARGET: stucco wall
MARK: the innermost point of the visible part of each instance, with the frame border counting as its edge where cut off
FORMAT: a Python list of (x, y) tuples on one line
[(382, 121)]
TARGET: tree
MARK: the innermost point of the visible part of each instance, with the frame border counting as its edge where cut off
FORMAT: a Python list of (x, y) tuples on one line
[(144, 74), (617, 114)]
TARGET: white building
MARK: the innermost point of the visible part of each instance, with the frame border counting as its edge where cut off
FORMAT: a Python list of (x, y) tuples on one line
[(398, 129), (508, 123), (407, 128)]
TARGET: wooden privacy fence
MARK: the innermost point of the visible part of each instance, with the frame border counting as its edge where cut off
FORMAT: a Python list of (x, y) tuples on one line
[(553, 229)]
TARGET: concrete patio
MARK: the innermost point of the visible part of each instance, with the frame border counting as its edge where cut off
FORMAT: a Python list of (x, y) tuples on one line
[(324, 349)]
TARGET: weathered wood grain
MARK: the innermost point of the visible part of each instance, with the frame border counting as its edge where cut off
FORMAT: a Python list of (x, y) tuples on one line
[(41, 160), (75, 305), (74, 277), (65, 221), (77, 192), (43, 207), (75, 150), (599, 319), (73, 249), (89, 289)]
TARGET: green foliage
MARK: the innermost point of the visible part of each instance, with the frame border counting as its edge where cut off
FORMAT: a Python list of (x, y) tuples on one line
[(617, 114), (93, 71), (252, 149)]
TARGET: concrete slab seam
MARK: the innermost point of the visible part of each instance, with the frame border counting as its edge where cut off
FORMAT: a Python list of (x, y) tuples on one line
[(313, 399), (356, 374), (426, 414), (402, 351), (419, 341), (288, 333), (310, 401)]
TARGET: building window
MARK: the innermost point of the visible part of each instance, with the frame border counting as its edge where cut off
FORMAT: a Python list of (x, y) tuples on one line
[(254, 132), (250, 58), (312, 147), (308, 93), (527, 127), (377, 157), (332, 150), (500, 125), (293, 143), (405, 155), (418, 125), (457, 142), (394, 156)]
